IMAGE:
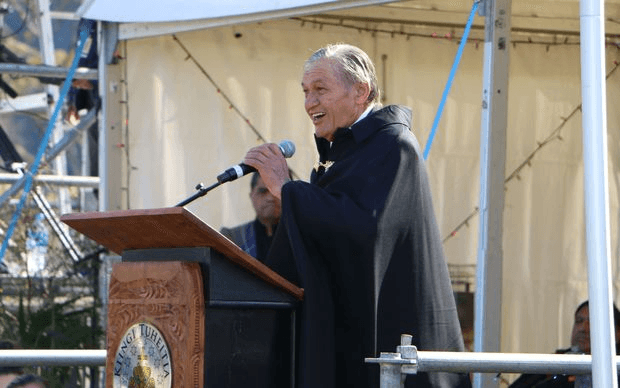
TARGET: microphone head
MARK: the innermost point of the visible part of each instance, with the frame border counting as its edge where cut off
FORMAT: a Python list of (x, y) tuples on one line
[(287, 147)]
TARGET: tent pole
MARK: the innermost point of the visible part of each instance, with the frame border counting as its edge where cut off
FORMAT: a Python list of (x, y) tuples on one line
[(104, 195), (488, 297), (594, 118)]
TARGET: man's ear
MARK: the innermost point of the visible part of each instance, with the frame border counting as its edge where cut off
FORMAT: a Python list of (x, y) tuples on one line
[(362, 91)]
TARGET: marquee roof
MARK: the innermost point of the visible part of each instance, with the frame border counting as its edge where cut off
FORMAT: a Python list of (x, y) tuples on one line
[(141, 18)]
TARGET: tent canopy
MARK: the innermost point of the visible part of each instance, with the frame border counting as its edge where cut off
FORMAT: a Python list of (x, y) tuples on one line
[(141, 11), (150, 18)]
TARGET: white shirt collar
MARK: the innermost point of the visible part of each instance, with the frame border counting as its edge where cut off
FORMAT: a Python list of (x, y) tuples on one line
[(365, 113)]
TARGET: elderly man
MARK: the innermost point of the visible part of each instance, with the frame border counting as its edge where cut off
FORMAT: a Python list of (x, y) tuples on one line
[(255, 237), (361, 237)]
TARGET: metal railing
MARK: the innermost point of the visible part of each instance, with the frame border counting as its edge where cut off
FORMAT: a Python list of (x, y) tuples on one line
[(46, 71), (52, 357), (408, 360)]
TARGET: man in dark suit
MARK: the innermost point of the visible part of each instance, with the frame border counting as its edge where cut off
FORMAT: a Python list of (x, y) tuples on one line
[(255, 237)]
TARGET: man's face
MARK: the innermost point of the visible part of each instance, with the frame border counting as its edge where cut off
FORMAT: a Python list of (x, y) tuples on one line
[(267, 207), (581, 330), (328, 101)]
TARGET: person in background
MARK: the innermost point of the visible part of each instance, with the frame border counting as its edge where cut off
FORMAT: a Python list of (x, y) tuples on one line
[(8, 373), (255, 237), (579, 344), (28, 381), (84, 94), (361, 237)]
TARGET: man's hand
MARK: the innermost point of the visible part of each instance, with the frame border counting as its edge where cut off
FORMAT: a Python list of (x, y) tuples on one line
[(268, 160)]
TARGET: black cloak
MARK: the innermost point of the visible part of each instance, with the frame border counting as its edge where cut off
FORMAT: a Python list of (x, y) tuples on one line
[(362, 241)]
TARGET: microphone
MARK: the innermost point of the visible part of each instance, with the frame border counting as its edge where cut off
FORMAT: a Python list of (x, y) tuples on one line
[(286, 146)]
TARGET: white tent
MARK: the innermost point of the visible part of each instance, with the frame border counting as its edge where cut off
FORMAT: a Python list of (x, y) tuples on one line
[(198, 91)]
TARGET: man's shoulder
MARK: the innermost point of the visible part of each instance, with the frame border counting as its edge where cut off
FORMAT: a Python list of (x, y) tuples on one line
[(243, 235), (237, 228), (393, 114), (395, 132)]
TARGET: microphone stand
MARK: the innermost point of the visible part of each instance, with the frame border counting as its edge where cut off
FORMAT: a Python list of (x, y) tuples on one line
[(202, 190)]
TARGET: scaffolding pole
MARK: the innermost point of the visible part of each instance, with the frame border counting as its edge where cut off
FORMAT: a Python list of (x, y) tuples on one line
[(46, 71), (595, 170), (56, 180), (52, 357), (394, 367), (489, 362)]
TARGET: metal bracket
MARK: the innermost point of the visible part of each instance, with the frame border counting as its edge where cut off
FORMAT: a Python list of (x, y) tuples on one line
[(408, 352), (395, 366)]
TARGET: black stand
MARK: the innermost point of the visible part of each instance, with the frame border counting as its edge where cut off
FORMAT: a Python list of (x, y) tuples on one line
[(202, 190)]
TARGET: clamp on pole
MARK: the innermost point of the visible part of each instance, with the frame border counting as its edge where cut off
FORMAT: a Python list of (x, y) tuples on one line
[(395, 366)]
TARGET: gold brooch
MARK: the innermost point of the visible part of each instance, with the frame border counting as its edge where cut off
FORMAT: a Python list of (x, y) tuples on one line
[(325, 165)]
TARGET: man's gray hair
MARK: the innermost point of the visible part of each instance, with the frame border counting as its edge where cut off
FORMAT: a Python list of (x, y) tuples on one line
[(353, 65)]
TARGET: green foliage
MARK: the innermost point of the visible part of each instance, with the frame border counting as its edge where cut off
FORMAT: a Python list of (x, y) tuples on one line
[(53, 327)]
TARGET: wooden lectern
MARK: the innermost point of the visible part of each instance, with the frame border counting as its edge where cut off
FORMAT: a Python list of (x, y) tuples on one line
[(187, 307)]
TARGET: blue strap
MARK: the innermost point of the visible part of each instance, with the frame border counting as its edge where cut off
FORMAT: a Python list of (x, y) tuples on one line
[(43, 145), (446, 90)]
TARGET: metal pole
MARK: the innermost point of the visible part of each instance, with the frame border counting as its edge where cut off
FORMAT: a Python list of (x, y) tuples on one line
[(55, 357), (488, 298), (489, 362), (85, 169), (594, 116), (390, 376), (46, 71), (504, 362), (408, 360), (59, 180), (104, 195)]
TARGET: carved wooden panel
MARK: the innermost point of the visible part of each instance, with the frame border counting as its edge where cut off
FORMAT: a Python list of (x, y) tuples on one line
[(168, 295)]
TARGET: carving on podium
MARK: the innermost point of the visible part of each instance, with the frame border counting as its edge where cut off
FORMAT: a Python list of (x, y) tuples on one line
[(161, 304), (142, 359)]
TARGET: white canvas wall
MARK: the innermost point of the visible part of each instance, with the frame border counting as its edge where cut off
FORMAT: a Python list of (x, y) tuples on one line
[(181, 131)]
